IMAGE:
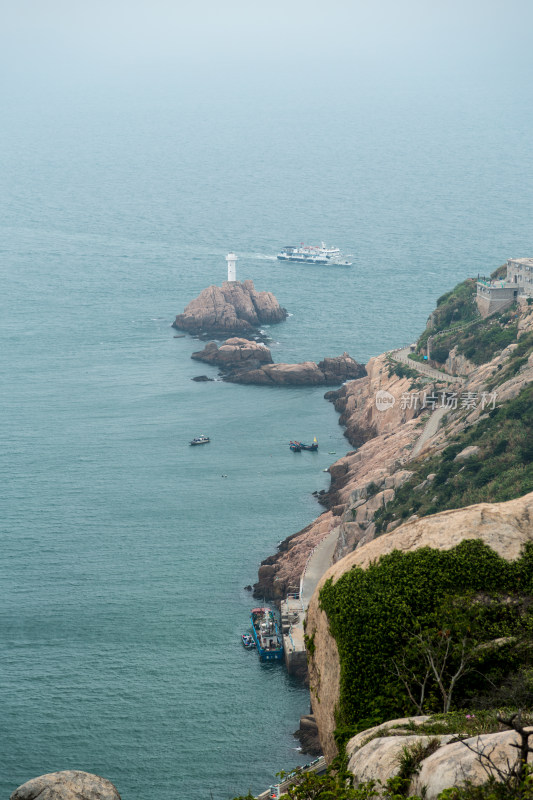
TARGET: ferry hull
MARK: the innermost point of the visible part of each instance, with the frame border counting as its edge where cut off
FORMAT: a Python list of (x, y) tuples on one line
[(304, 260)]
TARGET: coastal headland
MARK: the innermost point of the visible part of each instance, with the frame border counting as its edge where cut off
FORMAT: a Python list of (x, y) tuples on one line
[(438, 488)]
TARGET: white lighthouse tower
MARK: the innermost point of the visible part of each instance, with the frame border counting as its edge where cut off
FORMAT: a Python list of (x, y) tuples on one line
[(231, 258)]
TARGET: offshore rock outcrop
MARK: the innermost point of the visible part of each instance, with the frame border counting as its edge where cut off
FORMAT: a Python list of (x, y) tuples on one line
[(67, 785), (244, 361), (329, 372), (235, 355), (236, 308)]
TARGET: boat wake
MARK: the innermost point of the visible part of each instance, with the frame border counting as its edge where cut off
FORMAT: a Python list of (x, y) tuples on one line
[(259, 257)]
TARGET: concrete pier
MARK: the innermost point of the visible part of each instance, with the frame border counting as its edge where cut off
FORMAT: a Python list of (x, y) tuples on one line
[(292, 619)]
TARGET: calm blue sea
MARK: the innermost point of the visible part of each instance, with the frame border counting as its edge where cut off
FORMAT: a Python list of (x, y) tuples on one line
[(124, 552)]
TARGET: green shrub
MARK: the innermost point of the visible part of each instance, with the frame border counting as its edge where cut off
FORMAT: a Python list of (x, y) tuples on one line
[(374, 615), (440, 354)]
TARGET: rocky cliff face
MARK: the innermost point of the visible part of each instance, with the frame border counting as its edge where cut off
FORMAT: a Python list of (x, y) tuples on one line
[(233, 309), (505, 527)]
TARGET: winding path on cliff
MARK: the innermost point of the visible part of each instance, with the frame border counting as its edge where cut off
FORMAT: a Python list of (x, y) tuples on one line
[(431, 427), (319, 561), (403, 355)]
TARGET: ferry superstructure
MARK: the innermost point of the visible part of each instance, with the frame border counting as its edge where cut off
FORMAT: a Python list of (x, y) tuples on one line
[(311, 254)]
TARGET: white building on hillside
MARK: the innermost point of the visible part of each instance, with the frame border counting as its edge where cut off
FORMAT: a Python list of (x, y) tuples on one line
[(495, 295)]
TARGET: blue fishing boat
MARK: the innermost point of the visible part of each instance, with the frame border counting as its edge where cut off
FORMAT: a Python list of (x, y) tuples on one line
[(295, 447), (266, 635)]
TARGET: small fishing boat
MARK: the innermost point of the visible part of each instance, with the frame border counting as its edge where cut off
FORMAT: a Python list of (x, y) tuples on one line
[(248, 641), (297, 446), (313, 446), (266, 635), (200, 440)]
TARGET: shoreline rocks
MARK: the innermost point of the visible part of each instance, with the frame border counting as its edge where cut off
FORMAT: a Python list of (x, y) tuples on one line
[(235, 308), (244, 361), (307, 734)]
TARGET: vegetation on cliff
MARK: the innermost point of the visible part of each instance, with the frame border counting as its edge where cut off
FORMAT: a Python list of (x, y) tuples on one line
[(454, 308), (466, 609), (500, 470), (456, 323)]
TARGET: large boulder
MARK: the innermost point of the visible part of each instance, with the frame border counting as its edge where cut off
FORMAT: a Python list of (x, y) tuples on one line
[(235, 354), (381, 757), (505, 527), (459, 762), (376, 754), (234, 308), (67, 785), (341, 368)]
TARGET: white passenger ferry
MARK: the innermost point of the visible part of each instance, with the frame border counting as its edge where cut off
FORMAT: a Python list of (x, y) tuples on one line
[(313, 254)]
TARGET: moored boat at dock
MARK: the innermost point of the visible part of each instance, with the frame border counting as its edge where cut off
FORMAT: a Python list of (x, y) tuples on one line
[(248, 641), (266, 635)]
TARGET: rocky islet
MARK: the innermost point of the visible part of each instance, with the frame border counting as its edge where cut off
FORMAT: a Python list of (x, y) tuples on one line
[(234, 309), (245, 361)]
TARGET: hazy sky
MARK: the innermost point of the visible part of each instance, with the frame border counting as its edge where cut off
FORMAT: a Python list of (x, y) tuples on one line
[(105, 37)]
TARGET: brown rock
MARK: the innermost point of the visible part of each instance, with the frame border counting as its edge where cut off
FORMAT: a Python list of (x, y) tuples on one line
[(305, 374), (67, 785), (233, 308), (235, 353), (307, 733), (246, 361), (341, 368)]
